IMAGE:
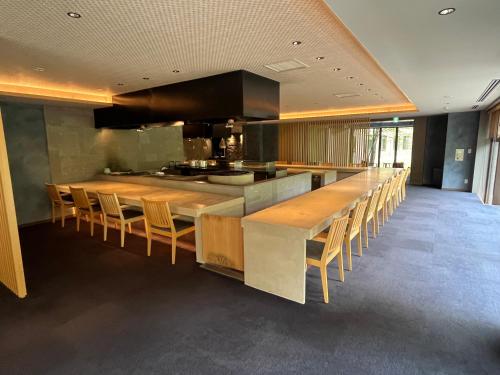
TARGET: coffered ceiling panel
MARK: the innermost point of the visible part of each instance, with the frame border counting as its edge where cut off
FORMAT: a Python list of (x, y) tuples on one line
[(115, 44)]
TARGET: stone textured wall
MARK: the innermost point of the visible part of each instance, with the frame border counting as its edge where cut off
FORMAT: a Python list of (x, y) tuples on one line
[(461, 134), (28, 160), (78, 151)]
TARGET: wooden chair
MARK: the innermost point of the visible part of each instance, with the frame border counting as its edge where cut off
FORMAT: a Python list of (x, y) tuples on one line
[(396, 191), (403, 185), (382, 206), (118, 214), (61, 201), (160, 221), (322, 250), (370, 214), (389, 198), (89, 208), (354, 230)]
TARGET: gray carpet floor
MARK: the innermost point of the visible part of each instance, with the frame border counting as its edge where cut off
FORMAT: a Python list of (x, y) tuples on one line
[(423, 299)]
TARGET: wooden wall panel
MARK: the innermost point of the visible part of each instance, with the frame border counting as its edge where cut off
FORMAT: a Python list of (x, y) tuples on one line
[(341, 142), (222, 241), (11, 263)]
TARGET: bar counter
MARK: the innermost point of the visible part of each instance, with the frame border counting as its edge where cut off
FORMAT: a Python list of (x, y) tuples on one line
[(191, 204), (275, 238)]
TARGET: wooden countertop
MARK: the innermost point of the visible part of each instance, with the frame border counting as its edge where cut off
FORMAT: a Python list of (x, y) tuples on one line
[(312, 212), (183, 202), (323, 167)]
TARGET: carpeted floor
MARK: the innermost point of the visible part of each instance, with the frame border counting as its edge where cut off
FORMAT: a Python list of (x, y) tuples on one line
[(423, 299)]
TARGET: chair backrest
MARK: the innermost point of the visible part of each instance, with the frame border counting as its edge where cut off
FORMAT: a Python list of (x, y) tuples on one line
[(157, 213), (110, 204), (335, 235), (54, 194), (373, 202), (408, 171), (392, 186), (80, 197), (357, 214), (383, 194)]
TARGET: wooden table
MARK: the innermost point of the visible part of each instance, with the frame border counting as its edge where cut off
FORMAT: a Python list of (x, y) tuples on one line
[(275, 238), (182, 202)]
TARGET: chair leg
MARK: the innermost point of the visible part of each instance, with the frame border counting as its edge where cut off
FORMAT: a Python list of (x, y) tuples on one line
[(360, 244), (78, 221), (148, 236), (324, 282), (130, 227), (63, 215), (53, 213), (174, 248), (122, 234), (365, 233), (348, 252), (340, 261), (374, 228), (105, 228), (92, 225)]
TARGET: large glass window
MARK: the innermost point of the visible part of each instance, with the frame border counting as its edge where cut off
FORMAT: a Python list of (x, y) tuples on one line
[(390, 146)]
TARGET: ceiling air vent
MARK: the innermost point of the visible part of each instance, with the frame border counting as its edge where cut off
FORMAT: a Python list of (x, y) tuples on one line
[(346, 95), (285, 66), (475, 106), (489, 89)]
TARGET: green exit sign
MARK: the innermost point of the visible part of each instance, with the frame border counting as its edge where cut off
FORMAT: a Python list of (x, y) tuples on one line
[(395, 119)]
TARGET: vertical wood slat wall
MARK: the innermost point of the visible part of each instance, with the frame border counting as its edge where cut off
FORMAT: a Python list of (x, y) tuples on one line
[(340, 142), (11, 263)]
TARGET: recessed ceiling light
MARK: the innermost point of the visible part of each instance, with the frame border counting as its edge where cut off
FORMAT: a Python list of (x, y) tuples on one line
[(320, 58), (176, 71), (336, 69), (349, 77), (74, 15), (375, 93), (38, 69), (120, 84), (446, 11), (368, 89), (361, 84), (296, 42), (145, 78)]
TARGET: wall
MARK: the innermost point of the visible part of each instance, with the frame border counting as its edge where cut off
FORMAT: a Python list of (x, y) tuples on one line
[(11, 262), (435, 145), (48, 143), (461, 134), (418, 151), (483, 148), (28, 160), (78, 151)]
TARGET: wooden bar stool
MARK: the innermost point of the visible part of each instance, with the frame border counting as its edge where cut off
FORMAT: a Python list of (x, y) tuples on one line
[(118, 214), (370, 214), (159, 220), (354, 230), (322, 250), (62, 201), (89, 208)]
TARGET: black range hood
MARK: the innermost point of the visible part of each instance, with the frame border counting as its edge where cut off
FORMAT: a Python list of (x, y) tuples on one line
[(238, 95)]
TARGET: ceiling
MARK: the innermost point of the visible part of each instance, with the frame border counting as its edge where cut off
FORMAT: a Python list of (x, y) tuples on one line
[(434, 59), (118, 41)]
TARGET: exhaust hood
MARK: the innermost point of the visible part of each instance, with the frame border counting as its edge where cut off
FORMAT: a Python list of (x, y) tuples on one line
[(238, 95)]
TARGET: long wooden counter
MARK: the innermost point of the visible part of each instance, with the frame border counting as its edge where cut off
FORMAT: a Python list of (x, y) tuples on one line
[(275, 238), (182, 202)]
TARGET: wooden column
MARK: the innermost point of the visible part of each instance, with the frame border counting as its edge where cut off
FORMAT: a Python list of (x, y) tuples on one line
[(11, 263)]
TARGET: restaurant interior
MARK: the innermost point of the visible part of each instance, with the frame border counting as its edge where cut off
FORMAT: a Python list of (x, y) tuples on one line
[(250, 187)]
